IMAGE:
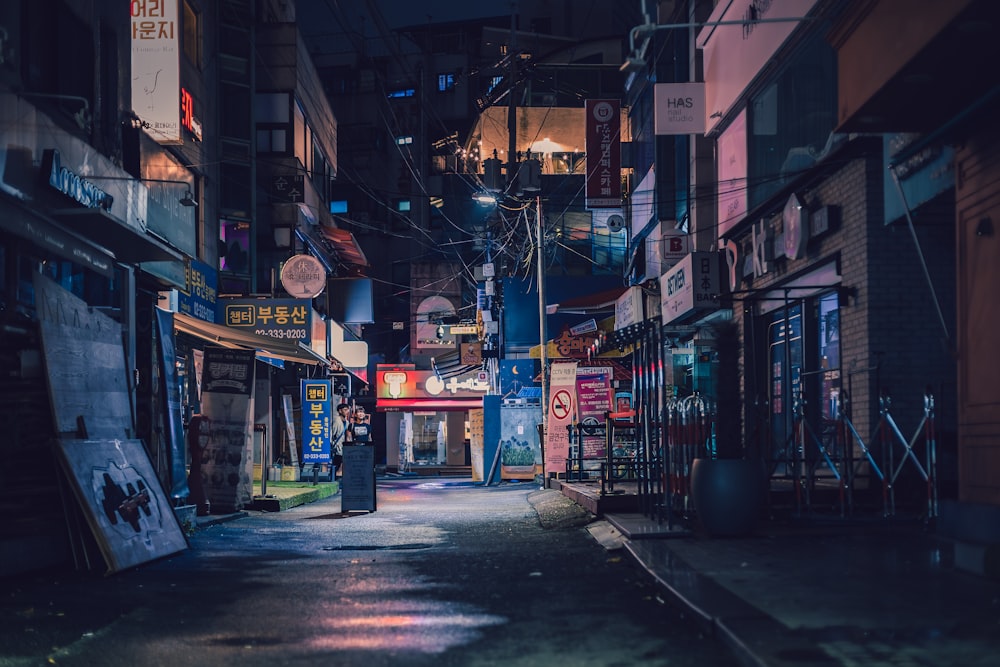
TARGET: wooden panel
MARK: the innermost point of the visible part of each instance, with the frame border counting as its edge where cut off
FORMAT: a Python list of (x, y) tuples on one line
[(978, 245), (85, 363), (122, 500)]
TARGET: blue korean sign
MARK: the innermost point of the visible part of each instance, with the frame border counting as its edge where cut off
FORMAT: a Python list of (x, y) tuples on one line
[(198, 297), (287, 319), (316, 416)]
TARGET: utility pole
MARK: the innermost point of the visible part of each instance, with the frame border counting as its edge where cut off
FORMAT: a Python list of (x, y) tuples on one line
[(542, 328), (512, 101)]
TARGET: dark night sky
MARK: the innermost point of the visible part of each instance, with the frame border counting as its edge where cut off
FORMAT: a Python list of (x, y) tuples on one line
[(328, 17)]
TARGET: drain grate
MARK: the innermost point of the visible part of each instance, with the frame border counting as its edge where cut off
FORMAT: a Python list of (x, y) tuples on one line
[(378, 547), (335, 515)]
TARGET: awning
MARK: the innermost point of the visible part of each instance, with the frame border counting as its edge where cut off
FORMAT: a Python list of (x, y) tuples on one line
[(316, 248), (19, 220), (128, 245), (346, 246), (273, 348), (427, 404), (590, 304), (806, 285), (450, 365)]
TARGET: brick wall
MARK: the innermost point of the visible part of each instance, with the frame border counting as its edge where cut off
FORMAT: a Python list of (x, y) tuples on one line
[(890, 335)]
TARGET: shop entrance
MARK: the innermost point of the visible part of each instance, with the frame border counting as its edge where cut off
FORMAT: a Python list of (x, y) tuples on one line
[(428, 441), (802, 371)]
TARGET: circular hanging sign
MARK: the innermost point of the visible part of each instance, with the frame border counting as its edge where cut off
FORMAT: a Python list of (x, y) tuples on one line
[(303, 276)]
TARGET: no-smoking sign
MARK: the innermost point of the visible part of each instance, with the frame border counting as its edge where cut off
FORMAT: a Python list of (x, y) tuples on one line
[(562, 403)]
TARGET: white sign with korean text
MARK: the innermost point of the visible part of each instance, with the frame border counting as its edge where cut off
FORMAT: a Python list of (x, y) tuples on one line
[(628, 308), (156, 87)]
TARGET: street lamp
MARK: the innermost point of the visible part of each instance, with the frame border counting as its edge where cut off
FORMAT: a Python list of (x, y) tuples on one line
[(187, 199)]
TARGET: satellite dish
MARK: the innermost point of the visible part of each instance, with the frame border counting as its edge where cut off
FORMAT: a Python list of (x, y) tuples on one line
[(616, 223)]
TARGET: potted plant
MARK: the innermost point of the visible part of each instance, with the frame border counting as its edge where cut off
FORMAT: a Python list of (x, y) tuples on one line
[(726, 486)]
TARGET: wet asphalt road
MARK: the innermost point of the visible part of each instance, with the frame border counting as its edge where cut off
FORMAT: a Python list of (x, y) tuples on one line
[(445, 573)]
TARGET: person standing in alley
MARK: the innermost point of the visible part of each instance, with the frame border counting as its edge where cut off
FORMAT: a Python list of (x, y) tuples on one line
[(360, 429), (338, 433)]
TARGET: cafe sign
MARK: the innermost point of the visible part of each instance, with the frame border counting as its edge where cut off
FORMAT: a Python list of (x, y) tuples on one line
[(303, 276)]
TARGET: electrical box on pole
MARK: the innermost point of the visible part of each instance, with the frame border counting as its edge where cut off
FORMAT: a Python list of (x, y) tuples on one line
[(491, 174)]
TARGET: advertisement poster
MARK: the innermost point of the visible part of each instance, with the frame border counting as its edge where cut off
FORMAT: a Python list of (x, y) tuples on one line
[(317, 412), (227, 460), (562, 413), (593, 392), (476, 444)]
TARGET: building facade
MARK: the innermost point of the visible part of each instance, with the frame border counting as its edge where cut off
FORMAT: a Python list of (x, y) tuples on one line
[(131, 195), (806, 224), (939, 52)]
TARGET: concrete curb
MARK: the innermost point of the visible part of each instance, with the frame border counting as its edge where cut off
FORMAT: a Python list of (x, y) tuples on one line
[(215, 519), (555, 510), (287, 500)]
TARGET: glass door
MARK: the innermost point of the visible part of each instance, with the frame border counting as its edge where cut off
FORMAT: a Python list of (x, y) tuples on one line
[(785, 358)]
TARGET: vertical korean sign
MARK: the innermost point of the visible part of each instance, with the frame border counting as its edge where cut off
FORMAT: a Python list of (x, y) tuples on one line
[(562, 411), (316, 415), (604, 156), (226, 399), (156, 86)]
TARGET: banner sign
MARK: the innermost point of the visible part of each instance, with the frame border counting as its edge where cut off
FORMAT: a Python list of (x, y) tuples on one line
[(156, 68), (170, 392), (562, 413), (604, 155), (317, 413), (227, 460)]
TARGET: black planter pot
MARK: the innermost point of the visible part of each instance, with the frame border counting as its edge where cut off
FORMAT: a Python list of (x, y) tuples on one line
[(728, 495)]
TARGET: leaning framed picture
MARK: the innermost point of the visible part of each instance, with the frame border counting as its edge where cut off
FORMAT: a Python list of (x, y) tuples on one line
[(122, 500)]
